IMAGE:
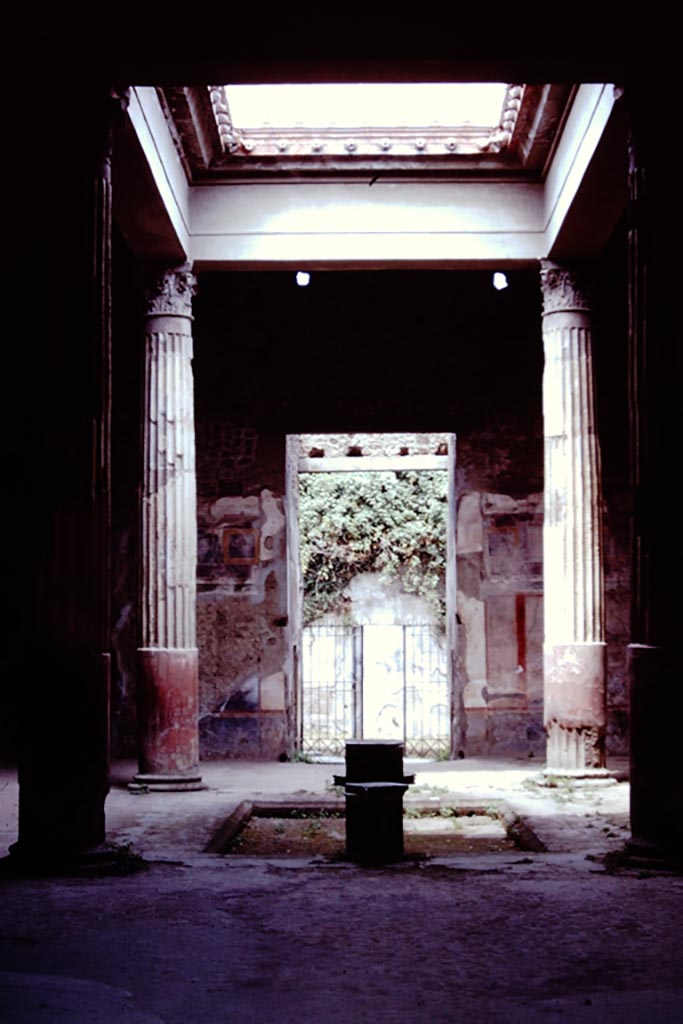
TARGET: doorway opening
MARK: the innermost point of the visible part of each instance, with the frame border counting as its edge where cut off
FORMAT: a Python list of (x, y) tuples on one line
[(372, 591)]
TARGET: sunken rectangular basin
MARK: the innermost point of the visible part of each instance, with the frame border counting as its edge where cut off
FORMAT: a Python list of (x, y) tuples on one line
[(318, 830)]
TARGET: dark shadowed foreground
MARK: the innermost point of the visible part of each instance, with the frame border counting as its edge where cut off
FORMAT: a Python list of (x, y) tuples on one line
[(496, 937)]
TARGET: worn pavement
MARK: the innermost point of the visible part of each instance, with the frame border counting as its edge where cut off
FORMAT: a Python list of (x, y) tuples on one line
[(558, 936)]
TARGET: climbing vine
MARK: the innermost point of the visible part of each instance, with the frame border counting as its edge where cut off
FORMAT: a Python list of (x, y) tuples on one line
[(390, 522)]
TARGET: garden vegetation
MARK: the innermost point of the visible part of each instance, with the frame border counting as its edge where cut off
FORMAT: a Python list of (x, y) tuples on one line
[(388, 522)]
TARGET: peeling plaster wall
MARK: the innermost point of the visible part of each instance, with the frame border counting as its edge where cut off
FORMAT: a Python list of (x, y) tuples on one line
[(499, 570), (357, 354), (241, 594), (365, 353)]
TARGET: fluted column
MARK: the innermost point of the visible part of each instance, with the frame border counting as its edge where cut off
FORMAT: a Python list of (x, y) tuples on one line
[(167, 684), (574, 628)]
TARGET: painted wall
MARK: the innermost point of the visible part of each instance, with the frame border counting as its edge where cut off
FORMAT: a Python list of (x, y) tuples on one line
[(241, 593), (370, 352), (500, 608)]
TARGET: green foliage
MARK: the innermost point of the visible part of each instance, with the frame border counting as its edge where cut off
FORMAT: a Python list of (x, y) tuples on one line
[(385, 522)]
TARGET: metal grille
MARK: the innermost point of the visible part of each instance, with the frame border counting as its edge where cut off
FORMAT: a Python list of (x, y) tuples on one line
[(332, 679), (400, 670), (426, 705)]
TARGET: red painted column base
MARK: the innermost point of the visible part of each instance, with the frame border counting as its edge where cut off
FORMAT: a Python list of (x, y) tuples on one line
[(168, 729)]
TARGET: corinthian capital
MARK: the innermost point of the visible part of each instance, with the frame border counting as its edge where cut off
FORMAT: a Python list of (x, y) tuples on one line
[(171, 292), (563, 288)]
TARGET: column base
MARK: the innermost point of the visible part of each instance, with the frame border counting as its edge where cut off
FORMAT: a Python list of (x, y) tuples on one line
[(168, 713), (143, 783), (575, 749), (97, 861), (585, 776), (574, 705), (63, 764), (656, 764), (653, 857)]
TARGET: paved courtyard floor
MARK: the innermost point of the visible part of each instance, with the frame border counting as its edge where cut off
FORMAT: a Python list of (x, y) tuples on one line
[(557, 936)]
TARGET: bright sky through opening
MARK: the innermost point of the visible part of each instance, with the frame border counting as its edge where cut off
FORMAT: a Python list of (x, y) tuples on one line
[(375, 105)]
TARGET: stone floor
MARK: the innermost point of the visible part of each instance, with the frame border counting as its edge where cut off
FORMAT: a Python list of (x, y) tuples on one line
[(196, 937)]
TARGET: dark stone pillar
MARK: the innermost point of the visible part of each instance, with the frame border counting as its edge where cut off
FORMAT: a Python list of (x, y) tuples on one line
[(655, 396), (167, 676), (64, 683)]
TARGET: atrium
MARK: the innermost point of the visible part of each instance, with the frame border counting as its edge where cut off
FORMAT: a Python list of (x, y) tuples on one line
[(168, 380)]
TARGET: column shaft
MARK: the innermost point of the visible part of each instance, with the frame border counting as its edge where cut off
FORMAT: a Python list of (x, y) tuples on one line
[(656, 694), (574, 631), (167, 656), (64, 750)]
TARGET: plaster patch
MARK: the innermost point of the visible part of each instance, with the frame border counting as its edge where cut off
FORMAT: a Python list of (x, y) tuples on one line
[(274, 523), (493, 504), (474, 695), (231, 507), (472, 616), (377, 600), (470, 531), (273, 692), (244, 698)]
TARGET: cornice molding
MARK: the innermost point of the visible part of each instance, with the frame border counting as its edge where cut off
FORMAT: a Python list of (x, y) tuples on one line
[(303, 142), (231, 142), (192, 123), (211, 147)]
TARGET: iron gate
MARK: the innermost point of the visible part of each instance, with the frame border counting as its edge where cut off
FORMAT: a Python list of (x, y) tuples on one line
[(379, 682)]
